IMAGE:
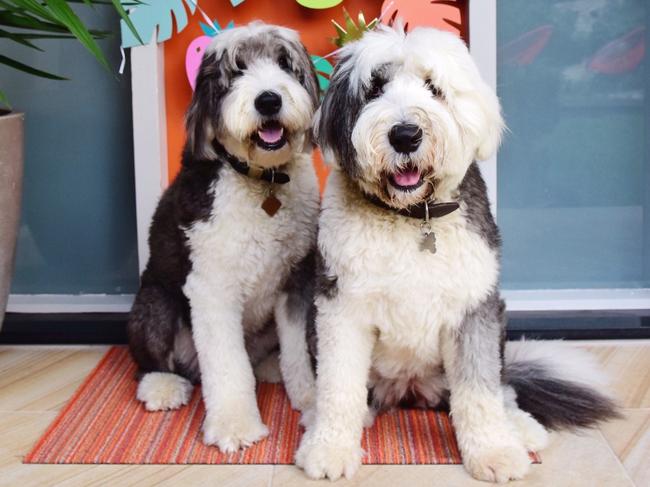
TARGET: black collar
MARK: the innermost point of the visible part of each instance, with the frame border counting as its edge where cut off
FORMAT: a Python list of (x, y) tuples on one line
[(271, 175), (436, 210)]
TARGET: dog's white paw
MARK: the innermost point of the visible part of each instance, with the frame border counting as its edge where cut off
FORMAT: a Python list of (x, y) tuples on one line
[(161, 391), (494, 463), (320, 458), (369, 418), (304, 400), (308, 417), (532, 434), (233, 432)]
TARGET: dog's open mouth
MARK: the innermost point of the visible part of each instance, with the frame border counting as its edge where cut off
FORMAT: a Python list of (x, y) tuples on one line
[(270, 136), (406, 179)]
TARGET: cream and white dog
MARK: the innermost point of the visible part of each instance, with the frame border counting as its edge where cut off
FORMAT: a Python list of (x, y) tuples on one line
[(408, 306)]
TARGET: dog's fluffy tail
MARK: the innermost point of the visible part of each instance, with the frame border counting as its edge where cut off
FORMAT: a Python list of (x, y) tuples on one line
[(561, 386)]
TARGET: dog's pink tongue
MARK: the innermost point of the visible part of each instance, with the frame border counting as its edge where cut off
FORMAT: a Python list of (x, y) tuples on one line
[(408, 177), (271, 135)]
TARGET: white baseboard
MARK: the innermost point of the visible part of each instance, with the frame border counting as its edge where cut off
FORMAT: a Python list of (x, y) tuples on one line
[(533, 300), (70, 303), (577, 299)]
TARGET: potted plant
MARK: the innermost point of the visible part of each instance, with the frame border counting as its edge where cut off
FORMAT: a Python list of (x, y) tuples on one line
[(24, 22)]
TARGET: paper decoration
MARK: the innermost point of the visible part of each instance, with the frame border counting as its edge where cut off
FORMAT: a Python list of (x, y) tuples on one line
[(442, 14), (352, 31), (147, 17), (196, 49), (215, 28), (319, 4), (324, 70), (194, 56)]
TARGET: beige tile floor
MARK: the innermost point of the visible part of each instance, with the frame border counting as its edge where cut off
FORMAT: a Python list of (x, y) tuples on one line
[(35, 382)]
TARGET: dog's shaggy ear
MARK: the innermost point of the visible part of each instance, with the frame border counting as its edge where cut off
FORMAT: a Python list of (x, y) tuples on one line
[(336, 119), (203, 113), (479, 113), (493, 124)]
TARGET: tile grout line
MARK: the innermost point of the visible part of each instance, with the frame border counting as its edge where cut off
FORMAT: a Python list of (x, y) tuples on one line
[(618, 460)]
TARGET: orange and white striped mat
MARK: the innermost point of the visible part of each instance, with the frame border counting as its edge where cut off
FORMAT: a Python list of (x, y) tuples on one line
[(104, 424)]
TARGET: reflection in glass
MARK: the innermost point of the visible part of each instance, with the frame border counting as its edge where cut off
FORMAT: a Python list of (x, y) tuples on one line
[(574, 170), (78, 227)]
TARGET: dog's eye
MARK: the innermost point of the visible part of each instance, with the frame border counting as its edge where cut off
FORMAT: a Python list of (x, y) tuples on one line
[(283, 62), (435, 91), (241, 65), (376, 88)]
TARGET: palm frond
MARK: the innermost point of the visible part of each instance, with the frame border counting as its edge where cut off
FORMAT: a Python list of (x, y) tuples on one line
[(25, 21)]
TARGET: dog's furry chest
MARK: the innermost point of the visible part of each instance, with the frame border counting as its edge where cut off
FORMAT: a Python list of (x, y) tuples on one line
[(242, 250), (410, 294)]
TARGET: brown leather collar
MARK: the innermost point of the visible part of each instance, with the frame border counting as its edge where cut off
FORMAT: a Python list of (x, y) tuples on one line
[(436, 210)]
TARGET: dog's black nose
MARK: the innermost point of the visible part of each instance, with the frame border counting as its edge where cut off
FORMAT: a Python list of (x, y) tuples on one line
[(268, 103), (405, 137)]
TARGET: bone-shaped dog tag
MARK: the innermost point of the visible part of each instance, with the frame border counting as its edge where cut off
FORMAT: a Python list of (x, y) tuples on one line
[(428, 242)]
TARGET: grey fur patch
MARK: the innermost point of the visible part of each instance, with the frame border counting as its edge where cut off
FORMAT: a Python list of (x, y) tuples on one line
[(185, 358), (339, 113), (326, 282), (262, 343), (204, 112), (557, 403), (473, 193), (478, 360), (301, 289)]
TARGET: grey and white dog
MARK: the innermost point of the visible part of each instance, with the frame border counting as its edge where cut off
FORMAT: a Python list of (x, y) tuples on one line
[(226, 235), (408, 306)]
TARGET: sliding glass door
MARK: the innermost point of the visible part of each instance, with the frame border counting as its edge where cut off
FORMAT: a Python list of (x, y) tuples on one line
[(78, 228), (573, 174)]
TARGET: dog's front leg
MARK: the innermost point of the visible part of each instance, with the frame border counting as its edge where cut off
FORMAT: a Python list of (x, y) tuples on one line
[(331, 447), (232, 418), (295, 362), (491, 449)]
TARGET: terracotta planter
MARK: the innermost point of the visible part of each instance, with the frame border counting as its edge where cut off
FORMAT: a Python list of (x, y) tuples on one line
[(11, 176)]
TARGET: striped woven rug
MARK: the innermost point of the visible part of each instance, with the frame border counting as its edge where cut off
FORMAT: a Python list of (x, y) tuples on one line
[(104, 424)]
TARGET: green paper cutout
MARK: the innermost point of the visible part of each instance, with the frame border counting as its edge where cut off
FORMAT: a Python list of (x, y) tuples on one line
[(324, 70), (319, 4), (352, 31)]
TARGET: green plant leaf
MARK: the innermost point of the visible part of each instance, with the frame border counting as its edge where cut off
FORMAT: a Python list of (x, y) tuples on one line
[(4, 100), (32, 7), (12, 63), (125, 17), (20, 39), (62, 11), (24, 21)]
